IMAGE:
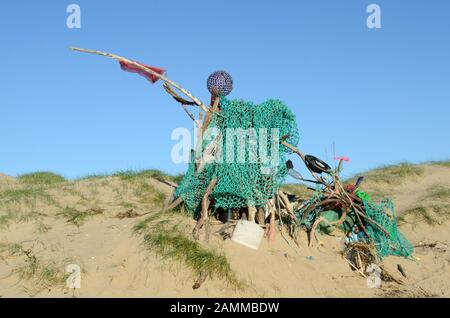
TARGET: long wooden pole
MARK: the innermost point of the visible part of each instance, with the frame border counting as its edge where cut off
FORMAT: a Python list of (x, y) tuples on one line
[(146, 69)]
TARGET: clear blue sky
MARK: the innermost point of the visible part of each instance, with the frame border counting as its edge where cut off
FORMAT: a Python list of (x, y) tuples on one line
[(383, 96)]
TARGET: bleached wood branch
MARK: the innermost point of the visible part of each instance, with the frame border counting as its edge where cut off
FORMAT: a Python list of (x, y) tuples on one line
[(146, 69)]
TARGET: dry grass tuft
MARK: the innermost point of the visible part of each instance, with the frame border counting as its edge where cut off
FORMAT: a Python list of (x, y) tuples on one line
[(77, 217), (431, 214), (41, 178), (163, 234), (36, 272), (394, 174)]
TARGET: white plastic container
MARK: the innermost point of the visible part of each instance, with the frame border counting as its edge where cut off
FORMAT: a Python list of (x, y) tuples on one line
[(248, 234)]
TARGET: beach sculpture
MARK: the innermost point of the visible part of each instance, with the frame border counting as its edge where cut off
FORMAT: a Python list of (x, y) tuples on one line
[(225, 183)]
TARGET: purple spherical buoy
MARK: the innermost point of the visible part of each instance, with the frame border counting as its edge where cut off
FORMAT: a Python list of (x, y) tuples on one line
[(220, 83)]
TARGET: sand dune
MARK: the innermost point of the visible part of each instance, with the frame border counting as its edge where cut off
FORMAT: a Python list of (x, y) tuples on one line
[(90, 223), (6, 180)]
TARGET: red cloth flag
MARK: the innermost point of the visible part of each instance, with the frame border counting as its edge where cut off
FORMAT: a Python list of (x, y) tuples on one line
[(342, 158), (128, 67)]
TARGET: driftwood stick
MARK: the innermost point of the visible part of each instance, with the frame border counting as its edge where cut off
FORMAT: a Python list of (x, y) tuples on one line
[(294, 149), (316, 205), (360, 222), (356, 268), (321, 219), (271, 228), (214, 108), (204, 216), (175, 203), (169, 183), (358, 260), (146, 69), (191, 116), (285, 201), (210, 152), (183, 103), (198, 123), (251, 213), (175, 96), (313, 230), (358, 211), (339, 167), (205, 207), (200, 280)]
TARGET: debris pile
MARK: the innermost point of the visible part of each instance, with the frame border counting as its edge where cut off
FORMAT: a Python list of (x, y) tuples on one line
[(240, 162)]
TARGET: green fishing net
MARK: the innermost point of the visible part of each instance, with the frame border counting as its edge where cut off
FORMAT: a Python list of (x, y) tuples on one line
[(246, 175), (392, 242), (387, 239)]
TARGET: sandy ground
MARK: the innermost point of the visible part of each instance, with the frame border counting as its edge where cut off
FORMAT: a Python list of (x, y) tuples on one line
[(115, 264)]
